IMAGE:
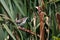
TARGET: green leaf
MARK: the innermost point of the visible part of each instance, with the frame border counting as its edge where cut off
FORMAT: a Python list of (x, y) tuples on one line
[(8, 30), (55, 38), (19, 7), (6, 8), (11, 9), (1, 19), (1, 34), (37, 25)]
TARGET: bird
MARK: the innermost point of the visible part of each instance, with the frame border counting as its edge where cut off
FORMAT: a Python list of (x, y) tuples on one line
[(21, 21)]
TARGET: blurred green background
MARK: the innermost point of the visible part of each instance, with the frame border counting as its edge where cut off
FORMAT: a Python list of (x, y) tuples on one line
[(27, 8)]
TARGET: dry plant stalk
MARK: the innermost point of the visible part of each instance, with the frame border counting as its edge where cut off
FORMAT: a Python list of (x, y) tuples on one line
[(41, 16), (41, 26), (58, 19), (16, 35), (26, 30)]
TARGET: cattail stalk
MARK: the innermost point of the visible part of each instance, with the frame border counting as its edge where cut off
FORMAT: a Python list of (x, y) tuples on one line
[(58, 19), (41, 16)]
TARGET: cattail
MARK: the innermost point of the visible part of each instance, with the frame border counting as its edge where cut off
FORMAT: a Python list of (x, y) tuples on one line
[(41, 16)]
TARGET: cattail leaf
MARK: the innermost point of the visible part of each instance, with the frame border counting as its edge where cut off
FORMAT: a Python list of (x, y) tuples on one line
[(9, 31), (6, 8), (19, 7)]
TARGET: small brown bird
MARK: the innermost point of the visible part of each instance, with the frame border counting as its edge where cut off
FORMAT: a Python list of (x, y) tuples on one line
[(21, 21)]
